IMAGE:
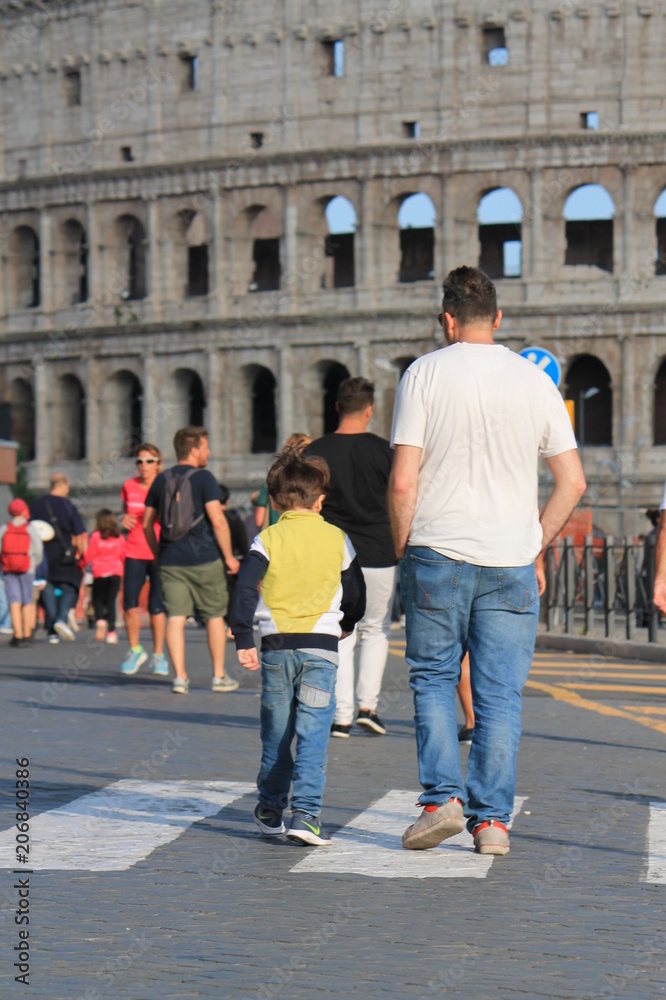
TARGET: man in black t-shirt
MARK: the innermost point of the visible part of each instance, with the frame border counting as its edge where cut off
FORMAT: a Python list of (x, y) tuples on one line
[(360, 464), (190, 568)]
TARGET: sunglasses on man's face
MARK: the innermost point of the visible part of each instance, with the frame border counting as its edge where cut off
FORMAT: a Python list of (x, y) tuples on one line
[(146, 461)]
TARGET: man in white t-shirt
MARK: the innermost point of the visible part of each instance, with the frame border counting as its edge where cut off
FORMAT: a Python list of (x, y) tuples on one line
[(469, 424)]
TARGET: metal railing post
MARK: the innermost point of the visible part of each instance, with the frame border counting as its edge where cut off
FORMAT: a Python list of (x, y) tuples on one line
[(650, 610), (630, 587), (569, 584), (609, 586), (588, 566), (551, 589)]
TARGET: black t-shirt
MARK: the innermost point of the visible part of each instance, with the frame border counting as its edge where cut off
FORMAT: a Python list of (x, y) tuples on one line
[(63, 515), (199, 545), (357, 499)]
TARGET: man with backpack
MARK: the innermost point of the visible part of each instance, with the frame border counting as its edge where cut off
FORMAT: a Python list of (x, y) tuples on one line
[(20, 552), (186, 500)]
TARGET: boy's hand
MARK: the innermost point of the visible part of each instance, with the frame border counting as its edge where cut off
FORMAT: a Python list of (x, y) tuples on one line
[(344, 635), (248, 658)]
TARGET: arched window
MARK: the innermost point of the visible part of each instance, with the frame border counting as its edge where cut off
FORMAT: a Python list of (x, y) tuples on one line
[(122, 413), (660, 214), (74, 279), (133, 256), (341, 220), (190, 398), (588, 384), (332, 375), (24, 269), (500, 215), (69, 420), (416, 219), (660, 405), (264, 423), (265, 237), (193, 230), (589, 212), (22, 403)]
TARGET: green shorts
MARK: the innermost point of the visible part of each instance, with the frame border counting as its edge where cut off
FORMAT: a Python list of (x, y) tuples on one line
[(187, 587)]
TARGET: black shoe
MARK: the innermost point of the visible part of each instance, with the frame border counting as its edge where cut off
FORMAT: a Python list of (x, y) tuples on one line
[(337, 729), (25, 641), (269, 820), (15, 642), (370, 722), (465, 735), (306, 829)]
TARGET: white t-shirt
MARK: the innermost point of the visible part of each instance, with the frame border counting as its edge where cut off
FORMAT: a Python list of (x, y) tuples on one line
[(662, 505), (481, 415)]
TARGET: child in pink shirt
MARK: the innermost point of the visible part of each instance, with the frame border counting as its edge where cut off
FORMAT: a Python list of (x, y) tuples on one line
[(106, 556)]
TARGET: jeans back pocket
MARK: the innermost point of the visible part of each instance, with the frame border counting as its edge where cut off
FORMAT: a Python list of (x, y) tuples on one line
[(518, 587), (435, 582)]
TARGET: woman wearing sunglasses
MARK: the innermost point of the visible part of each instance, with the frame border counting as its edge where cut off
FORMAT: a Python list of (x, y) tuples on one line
[(141, 565)]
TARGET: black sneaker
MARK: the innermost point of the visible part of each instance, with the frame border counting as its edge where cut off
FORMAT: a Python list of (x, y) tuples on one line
[(370, 722), (269, 820), (465, 735), (15, 642), (343, 732), (306, 829)]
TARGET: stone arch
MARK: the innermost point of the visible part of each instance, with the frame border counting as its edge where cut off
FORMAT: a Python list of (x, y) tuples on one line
[(588, 212), (22, 409), (500, 215), (255, 412), (659, 407), (332, 373), (416, 222), (72, 278), (265, 233), (593, 416), (24, 269), (69, 420), (190, 253), (132, 256), (190, 397), (660, 228), (122, 414)]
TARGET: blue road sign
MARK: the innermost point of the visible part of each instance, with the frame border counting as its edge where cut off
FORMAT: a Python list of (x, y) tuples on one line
[(544, 360)]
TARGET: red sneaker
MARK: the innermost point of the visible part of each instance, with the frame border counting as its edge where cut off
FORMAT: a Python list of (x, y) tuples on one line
[(491, 837)]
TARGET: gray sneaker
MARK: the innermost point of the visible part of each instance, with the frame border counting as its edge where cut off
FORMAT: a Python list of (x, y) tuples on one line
[(223, 684), (434, 825), (181, 685), (491, 837)]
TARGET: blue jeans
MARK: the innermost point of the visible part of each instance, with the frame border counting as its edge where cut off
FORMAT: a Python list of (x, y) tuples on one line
[(451, 608), (5, 619), (297, 699), (56, 608)]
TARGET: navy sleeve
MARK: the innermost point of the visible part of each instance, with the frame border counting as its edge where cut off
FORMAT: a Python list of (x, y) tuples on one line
[(352, 604), (154, 493), (246, 597), (209, 487), (77, 525)]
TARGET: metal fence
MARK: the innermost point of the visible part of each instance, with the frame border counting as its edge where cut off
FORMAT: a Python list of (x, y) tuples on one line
[(602, 586)]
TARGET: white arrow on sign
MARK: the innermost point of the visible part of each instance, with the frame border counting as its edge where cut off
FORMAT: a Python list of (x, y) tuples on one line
[(117, 826), (371, 845)]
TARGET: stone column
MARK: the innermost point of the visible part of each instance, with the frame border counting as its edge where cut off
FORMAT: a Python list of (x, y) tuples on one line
[(45, 263), (95, 259), (218, 272), (285, 395), (43, 421), (365, 244), (214, 411), (153, 417), (629, 259), (155, 289), (290, 262), (94, 451)]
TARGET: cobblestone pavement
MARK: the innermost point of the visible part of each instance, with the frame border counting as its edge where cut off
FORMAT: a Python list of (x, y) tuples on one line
[(218, 912)]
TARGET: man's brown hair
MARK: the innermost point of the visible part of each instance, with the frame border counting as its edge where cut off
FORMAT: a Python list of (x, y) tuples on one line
[(354, 395), (469, 295), (297, 481), (186, 439)]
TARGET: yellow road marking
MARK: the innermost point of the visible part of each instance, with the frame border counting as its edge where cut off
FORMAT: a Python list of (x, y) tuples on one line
[(595, 706), (647, 709), (615, 687), (599, 673)]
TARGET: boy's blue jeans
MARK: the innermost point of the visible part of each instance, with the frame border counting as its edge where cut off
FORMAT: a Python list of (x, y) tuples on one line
[(297, 699), (453, 607)]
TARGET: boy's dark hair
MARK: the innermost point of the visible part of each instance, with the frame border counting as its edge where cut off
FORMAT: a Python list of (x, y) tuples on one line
[(469, 295), (186, 439), (224, 492), (106, 523), (297, 481), (354, 394)]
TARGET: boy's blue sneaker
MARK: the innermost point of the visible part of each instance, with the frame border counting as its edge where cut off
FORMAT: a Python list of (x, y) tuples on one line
[(160, 665), (306, 829), (133, 661), (269, 820)]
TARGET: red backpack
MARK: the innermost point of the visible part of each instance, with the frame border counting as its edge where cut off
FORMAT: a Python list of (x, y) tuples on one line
[(15, 549)]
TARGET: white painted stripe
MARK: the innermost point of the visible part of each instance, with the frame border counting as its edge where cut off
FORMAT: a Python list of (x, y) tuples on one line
[(371, 844), (117, 826), (656, 871)]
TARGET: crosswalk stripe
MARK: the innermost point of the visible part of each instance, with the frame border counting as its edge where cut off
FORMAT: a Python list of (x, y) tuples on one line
[(656, 871), (117, 826), (370, 845)]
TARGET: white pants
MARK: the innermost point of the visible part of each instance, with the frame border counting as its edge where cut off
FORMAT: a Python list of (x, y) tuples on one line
[(373, 633)]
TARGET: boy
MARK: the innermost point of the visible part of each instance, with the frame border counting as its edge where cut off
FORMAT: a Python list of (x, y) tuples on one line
[(312, 595)]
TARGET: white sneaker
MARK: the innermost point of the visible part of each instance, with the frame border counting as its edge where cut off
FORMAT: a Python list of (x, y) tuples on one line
[(72, 622), (64, 631), (54, 640)]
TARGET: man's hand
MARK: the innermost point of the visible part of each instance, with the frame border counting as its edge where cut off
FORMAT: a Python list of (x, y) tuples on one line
[(232, 565), (248, 658), (402, 494), (128, 522), (660, 594), (540, 574)]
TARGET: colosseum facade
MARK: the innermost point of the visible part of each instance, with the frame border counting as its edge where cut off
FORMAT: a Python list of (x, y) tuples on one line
[(168, 255)]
